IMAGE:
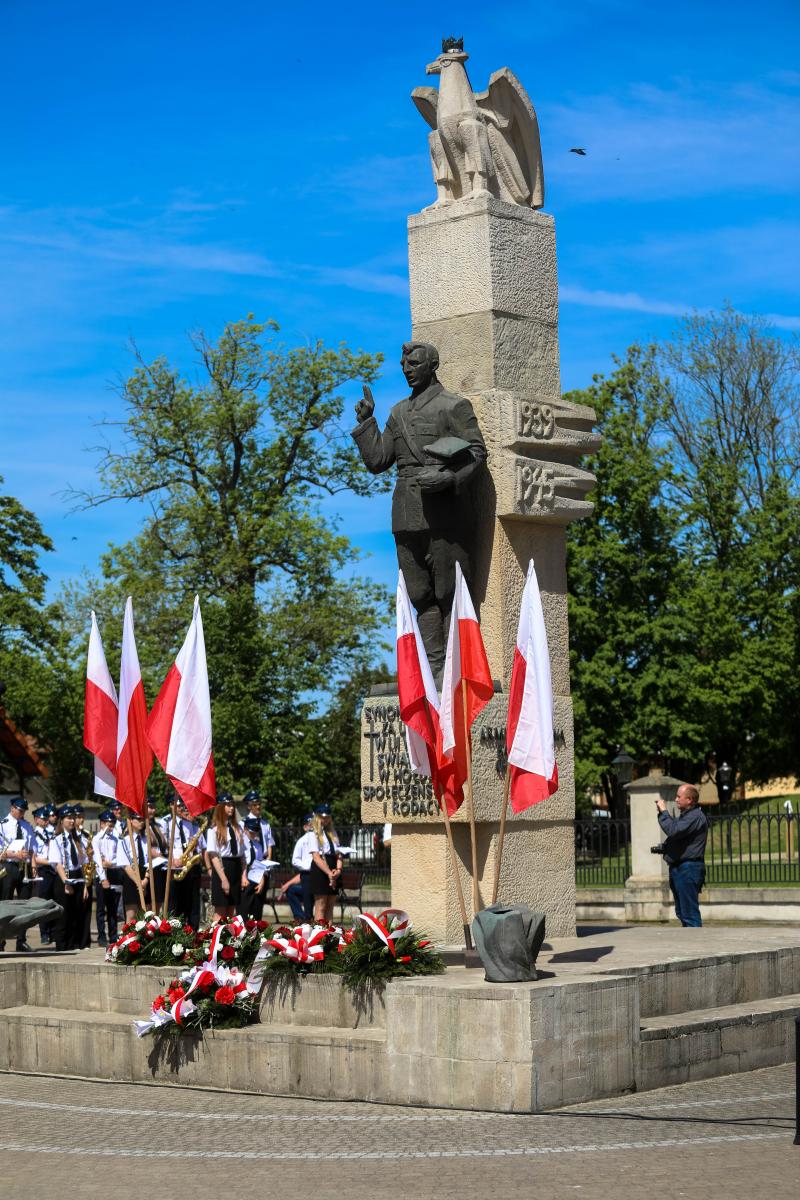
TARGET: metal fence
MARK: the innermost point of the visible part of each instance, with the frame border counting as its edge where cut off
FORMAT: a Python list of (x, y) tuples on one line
[(602, 851), (365, 843), (744, 849)]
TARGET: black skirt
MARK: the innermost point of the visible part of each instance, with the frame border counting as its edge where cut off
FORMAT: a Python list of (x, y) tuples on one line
[(130, 892), (233, 873), (319, 884)]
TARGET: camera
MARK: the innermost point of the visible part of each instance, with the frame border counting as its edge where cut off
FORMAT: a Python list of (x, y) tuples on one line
[(657, 849)]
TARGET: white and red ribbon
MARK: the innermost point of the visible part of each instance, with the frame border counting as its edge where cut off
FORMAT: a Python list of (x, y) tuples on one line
[(304, 945), (390, 924)]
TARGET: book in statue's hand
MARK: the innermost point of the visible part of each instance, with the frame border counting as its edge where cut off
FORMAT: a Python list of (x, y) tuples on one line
[(445, 449)]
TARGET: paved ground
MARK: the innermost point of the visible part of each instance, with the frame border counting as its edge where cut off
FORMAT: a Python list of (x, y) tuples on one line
[(725, 1139)]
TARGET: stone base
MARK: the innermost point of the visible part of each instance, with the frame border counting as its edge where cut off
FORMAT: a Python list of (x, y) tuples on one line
[(647, 899), (610, 1013)]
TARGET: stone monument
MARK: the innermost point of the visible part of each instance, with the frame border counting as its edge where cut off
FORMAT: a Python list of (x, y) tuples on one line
[(484, 292)]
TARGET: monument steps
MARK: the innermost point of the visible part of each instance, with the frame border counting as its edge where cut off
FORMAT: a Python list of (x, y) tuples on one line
[(681, 1047)]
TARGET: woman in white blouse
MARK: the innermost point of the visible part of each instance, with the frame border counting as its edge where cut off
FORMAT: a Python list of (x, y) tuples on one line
[(226, 848)]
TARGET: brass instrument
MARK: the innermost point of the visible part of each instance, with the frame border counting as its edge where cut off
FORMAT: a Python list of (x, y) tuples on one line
[(89, 868), (189, 859)]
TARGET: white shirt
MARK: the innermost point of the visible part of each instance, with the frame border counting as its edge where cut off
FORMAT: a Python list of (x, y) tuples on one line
[(104, 845), (253, 853), (124, 858), (308, 845), (41, 841), (184, 832), (59, 852), (224, 849), (9, 832)]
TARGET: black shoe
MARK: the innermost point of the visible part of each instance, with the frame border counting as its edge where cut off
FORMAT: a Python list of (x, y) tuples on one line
[(47, 941), (24, 948), (101, 941)]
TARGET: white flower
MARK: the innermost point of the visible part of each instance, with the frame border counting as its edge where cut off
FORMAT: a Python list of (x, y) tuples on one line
[(139, 926), (114, 951), (177, 950), (148, 916), (175, 924)]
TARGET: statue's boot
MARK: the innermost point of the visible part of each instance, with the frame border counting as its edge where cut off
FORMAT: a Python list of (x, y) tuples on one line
[(431, 628)]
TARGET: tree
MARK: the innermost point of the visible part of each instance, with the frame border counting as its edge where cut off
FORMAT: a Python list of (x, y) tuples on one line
[(23, 616), (232, 469), (684, 582)]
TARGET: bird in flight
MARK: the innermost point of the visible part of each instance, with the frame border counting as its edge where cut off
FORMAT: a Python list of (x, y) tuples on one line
[(577, 150)]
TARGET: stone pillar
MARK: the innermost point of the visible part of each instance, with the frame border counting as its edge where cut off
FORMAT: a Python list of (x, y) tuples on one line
[(484, 292), (647, 893)]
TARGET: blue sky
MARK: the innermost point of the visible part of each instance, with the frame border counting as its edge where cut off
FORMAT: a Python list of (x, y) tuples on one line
[(174, 166)]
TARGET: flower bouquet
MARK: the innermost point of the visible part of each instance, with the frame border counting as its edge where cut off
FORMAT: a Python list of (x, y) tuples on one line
[(153, 941), (219, 992)]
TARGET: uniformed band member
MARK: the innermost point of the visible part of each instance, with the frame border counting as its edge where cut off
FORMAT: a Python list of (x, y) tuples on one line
[(252, 802), (43, 871), (298, 890), (108, 880), (16, 849), (326, 862), (225, 844), (159, 846), (184, 895), (68, 858), (251, 904), (84, 838), (131, 900)]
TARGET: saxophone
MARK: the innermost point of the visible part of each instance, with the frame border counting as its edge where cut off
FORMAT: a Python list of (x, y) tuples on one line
[(189, 859), (89, 868)]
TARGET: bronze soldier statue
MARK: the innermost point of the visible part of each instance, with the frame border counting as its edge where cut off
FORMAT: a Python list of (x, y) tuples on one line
[(434, 439)]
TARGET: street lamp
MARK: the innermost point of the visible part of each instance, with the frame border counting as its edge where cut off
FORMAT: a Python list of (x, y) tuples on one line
[(622, 769)]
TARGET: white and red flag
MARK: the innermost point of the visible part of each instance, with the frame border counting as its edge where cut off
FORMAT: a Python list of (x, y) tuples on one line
[(134, 756), (179, 726), (100, 715), (419, 700), (467, 687), (529, 732)]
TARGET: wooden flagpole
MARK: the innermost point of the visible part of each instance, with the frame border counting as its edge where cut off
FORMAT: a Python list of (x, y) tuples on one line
[(454, 861), (150, 860), (473, 833), (135, 863), (169, 860), (498, 855)]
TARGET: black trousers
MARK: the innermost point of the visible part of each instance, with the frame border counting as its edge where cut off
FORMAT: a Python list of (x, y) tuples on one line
[(184, 898), (308, 895), (68, 929), (43, 890), (105, 902), (251, 906)]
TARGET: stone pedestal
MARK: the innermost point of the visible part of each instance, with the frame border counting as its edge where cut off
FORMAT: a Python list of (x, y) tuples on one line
[(647, 892), (484, 292)]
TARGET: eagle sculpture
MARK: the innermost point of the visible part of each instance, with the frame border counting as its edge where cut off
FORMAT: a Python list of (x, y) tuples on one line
[(485, 143)]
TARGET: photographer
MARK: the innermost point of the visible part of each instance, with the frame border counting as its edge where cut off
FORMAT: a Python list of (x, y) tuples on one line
[(684, 851)]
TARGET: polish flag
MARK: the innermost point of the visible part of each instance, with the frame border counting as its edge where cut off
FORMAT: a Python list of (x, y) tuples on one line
[(419, 700), (179, 726), (465, 663), (100, 715), (134, 756), (529, 732)]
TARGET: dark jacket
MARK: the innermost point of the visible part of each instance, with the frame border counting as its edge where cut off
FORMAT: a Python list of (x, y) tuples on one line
[(413, 424), (686, 835)]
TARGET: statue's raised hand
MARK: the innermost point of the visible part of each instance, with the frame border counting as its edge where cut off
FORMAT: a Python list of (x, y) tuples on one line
[(366, 407)]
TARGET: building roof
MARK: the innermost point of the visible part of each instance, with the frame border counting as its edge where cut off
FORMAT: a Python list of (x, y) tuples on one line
[(20, 748)]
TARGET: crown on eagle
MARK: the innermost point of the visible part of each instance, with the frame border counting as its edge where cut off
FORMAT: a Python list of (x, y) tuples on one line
[(452, 43)]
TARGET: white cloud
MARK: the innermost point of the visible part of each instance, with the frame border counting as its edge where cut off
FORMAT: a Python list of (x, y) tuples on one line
[(633, 302)]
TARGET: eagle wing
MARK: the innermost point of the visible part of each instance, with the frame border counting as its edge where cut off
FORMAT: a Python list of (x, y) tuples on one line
[(513, 137), (427, 101)]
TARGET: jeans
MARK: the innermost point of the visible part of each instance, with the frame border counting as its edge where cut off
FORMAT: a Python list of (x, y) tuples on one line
[(686, 881), (296, 900)]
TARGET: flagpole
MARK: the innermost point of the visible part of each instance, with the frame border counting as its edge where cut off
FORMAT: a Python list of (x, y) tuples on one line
[(473, 833), (150, 859), (498, 856), (169, 861), (454, 859), (135, 863)]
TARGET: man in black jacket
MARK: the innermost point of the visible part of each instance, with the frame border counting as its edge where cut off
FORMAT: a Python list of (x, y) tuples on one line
[(684, 851)]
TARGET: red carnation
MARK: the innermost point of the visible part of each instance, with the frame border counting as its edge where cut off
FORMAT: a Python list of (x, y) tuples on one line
[(188, 929), (405, 958), (206, 981), (134, 947), (250, 924), (158, 1003), (261, 925), (225, 995), (422, 945), (228, 953), (164, 927), (176, 994)]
